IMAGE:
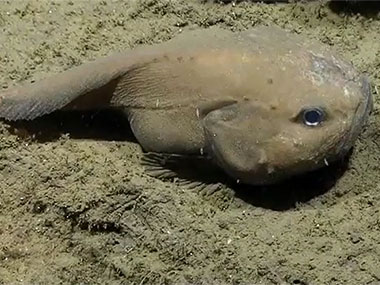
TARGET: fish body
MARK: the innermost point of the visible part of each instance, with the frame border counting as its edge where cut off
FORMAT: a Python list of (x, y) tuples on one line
[(262, 104)]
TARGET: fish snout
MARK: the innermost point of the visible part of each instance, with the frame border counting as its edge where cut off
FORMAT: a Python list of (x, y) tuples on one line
[(361, 115)]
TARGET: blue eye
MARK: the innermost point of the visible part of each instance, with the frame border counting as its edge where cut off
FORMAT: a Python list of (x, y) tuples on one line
[(313, 116)]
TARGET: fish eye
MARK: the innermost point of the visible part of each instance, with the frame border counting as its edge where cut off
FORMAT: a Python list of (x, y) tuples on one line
[(312, 117)]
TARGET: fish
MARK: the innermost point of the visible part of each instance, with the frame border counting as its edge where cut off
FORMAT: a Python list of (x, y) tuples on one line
[(263, 104)]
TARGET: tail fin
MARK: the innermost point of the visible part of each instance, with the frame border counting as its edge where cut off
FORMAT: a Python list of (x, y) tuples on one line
[(94, 79)]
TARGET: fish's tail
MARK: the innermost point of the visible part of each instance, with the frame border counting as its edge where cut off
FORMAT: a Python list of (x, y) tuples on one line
[(87, 86)]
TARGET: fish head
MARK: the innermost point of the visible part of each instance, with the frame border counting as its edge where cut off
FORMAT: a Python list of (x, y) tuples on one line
[(297, 112)]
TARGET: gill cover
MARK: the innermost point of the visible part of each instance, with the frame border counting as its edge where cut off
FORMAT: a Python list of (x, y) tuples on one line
[(235, 135)]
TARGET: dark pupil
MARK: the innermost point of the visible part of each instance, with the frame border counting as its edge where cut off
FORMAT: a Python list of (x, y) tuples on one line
[(312, 117)]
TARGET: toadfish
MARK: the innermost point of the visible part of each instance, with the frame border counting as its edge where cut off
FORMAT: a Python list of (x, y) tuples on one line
[(263, 104)]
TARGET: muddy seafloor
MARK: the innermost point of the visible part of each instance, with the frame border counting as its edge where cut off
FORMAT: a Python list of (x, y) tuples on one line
[(77, 208)]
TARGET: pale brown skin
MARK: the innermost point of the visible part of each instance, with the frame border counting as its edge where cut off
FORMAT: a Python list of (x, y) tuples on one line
[(236, 97)]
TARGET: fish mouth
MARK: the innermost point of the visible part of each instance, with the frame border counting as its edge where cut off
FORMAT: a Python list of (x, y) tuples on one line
[(360, 117)]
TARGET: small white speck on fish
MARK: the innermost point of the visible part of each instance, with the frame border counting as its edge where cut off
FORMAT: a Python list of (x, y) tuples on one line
[(237, 181), (197, 112), (201, 151), (214, 135), (326, 162), (346, 92), (157, 103)]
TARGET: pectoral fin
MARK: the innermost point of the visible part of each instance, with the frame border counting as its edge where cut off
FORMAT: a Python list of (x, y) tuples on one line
[(192, 172)]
